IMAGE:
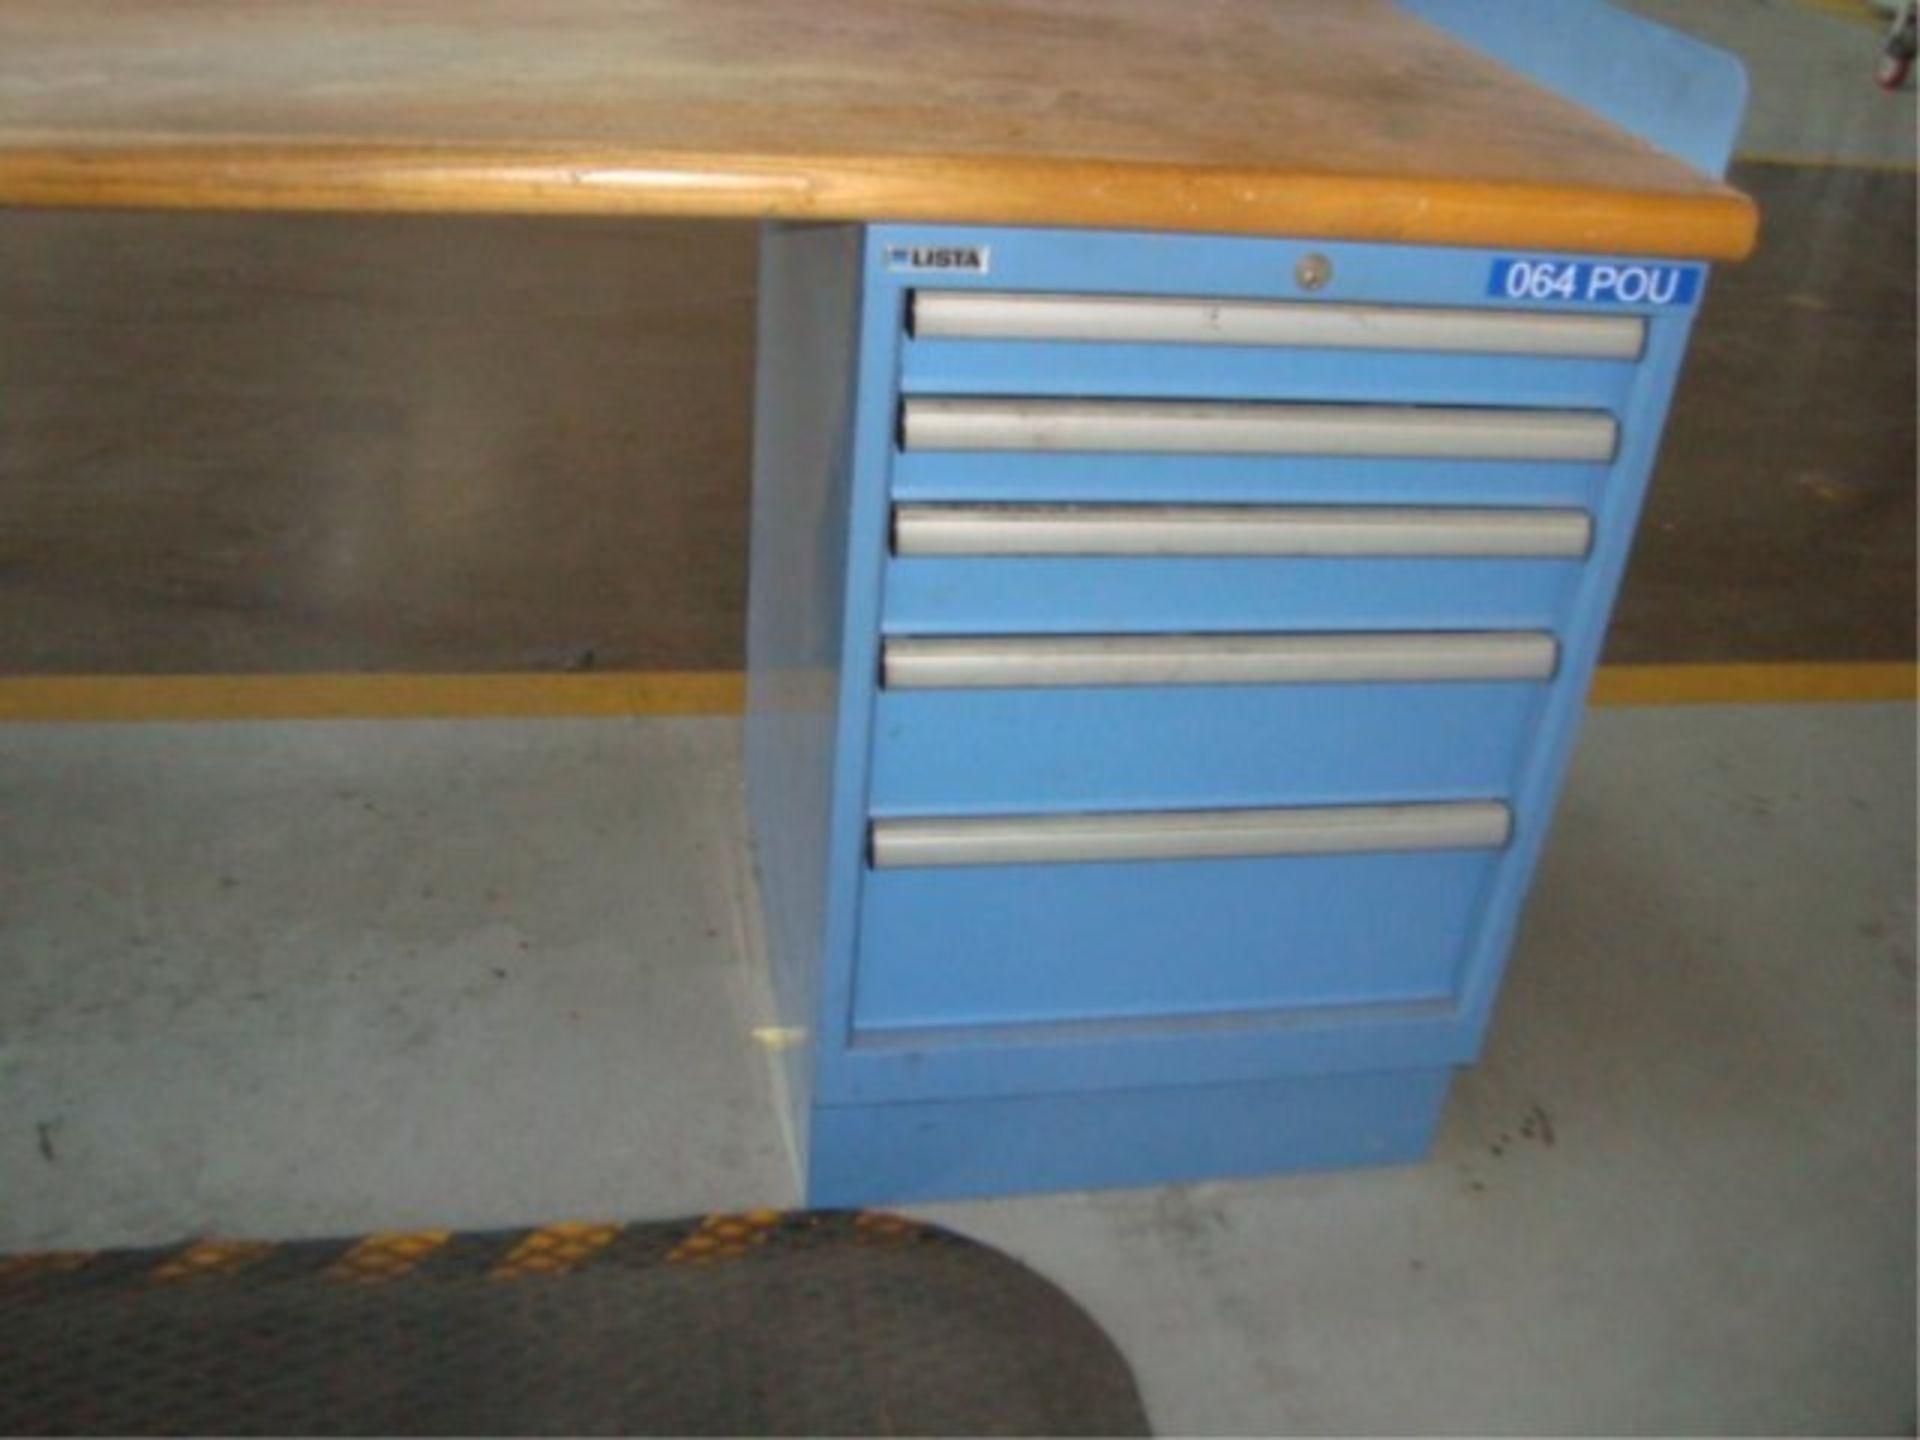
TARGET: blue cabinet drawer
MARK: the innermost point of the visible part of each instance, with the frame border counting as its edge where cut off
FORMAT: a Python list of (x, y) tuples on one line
[(1242, 531), (1486, 432), (1069, 478), (1146, 372), (995, 750), (1156, 595), (1224, 324), (1088, 450), (991, 945), (973, 342), (1065, 569)]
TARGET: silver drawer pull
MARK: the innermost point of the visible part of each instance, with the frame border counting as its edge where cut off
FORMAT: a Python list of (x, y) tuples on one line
[(917, 662), (1189, 834), (1178, 427), (1243, 530), (992, 315)]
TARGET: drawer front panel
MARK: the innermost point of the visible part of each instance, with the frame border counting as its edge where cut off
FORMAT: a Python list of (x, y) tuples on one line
[(1012, 944), (1238, 530), (997, 662), (1214, 323), (933, 475), (1222, 834), (1156, 595), (984, 343), (993, 751), (1199, 428), (974, 368)]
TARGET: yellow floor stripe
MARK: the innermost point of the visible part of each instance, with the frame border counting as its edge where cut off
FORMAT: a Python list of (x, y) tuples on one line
[(1753, 684), (368, 697), (111, 698), (1857, 12), (1830, 162)]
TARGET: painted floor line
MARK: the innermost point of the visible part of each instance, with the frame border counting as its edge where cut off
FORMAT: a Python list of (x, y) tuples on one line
[(1732, 684), (1854, 12), (1828, 162), (529, 695), (111, 698)]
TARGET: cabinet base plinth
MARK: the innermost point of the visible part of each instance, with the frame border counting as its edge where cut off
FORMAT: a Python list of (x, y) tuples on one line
[(893, 1154)]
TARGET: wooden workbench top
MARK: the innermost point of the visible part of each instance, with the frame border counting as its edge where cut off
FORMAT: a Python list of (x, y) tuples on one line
[(1328, 118)]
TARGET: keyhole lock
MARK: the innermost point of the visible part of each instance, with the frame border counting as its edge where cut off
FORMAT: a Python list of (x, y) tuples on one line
[(1312, 272)]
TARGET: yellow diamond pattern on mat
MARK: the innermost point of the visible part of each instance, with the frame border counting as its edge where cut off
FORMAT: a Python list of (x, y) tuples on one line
[(19, 1269), (724, 1237), (554, 1249), (878, 1225), (386, 1256), (210, 1257)]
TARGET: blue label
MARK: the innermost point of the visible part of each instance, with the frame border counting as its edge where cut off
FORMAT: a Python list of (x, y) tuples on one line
[(1593, 282)]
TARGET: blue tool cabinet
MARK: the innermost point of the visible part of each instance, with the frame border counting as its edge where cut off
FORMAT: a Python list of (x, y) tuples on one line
[(1165, 655)]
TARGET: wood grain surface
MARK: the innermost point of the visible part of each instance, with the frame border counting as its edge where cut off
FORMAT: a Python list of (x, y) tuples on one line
[(1343, 120)]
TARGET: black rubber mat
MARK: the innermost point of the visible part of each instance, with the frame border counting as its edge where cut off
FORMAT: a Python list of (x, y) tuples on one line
[(799, 1323)]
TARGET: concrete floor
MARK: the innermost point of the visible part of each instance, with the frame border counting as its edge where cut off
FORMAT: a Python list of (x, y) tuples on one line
[(307, 979), (281, 978), (1809, 63)]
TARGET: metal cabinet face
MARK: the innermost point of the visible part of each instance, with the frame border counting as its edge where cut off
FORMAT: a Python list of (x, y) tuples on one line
[(1163, 675)]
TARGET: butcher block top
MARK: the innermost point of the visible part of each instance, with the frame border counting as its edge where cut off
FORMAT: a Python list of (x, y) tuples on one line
[(1345, 119)]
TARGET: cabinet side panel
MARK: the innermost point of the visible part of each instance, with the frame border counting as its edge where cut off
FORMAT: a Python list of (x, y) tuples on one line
[(804, 386), (1544, 767)]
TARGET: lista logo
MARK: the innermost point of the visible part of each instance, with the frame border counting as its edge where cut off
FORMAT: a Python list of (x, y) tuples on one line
[(968, 259)]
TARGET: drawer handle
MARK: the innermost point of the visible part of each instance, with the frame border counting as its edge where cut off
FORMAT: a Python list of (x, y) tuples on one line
[(997, 315), (915, 662), (1238, 530), (1176, 427), (1188, 835)]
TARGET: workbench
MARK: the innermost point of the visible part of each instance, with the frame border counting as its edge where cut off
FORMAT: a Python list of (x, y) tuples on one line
[(1197, 447)]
